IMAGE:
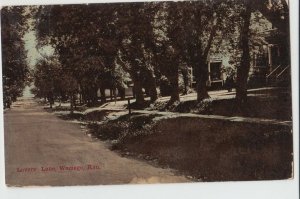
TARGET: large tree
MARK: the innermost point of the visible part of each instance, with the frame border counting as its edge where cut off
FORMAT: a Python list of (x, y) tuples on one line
[(244, 67), (185, 33), (135, 31), (49, 79), (277, 13), (84, 38), (203, 24), (167, 30)]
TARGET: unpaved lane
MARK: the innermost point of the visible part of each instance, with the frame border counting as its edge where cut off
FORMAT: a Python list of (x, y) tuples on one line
[(36, 139)]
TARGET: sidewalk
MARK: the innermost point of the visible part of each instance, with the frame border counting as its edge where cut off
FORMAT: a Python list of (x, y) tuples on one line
[(120, 106), (166, 115)]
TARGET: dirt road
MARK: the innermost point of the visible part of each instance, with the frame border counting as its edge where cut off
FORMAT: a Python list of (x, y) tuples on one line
[(41, 149)]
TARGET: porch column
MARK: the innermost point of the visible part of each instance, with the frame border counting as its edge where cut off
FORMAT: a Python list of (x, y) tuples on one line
[(209, 74), (270, 57), (191, 77)]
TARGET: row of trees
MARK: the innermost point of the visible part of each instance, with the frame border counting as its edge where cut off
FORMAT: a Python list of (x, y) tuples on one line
[(14, 67), (148, 41), (100, 46)]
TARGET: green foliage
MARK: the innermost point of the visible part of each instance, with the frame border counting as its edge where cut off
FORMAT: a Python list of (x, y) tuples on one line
[(49, 79), (109, 45), (14, 66), (84, 38)]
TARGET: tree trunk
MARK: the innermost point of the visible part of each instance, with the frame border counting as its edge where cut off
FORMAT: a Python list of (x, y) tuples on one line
[(185, 76), (8, 104), (244, 67), (201, 72), (102, 92), (174, 89), (50, 99), (138, 91), (111, 94), (84, 96), (80, 98), (80, 94), (71, 104), (121, 92), (152, 87), (115, 95), (201, 90), (94, 95), (74, 101)]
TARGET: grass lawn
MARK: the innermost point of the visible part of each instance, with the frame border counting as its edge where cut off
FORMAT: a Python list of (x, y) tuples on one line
[(204, 149), (269, 104)]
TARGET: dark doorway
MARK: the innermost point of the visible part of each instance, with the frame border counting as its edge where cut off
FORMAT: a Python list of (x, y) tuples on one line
[(215, 70)]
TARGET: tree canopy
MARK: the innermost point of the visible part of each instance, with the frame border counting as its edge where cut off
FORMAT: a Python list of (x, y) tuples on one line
[(14, 67), (147, 44)]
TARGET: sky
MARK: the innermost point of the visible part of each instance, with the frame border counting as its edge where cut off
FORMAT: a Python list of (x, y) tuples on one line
[(30, 45), (32, 53)]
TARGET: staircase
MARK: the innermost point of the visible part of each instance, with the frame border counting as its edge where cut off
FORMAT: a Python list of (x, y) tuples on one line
[(280, 76)]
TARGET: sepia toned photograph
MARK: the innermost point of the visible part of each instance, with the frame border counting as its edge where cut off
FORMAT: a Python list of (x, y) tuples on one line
[(147, 92)]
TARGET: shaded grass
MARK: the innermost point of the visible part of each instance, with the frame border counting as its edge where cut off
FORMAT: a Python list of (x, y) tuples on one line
[(207, 150), (124, 126), (65, 108), (270, 108), (74, 116), (90, 117), (269, 104)]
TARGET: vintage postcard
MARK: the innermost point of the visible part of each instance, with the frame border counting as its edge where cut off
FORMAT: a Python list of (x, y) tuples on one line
[(147, 92)]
